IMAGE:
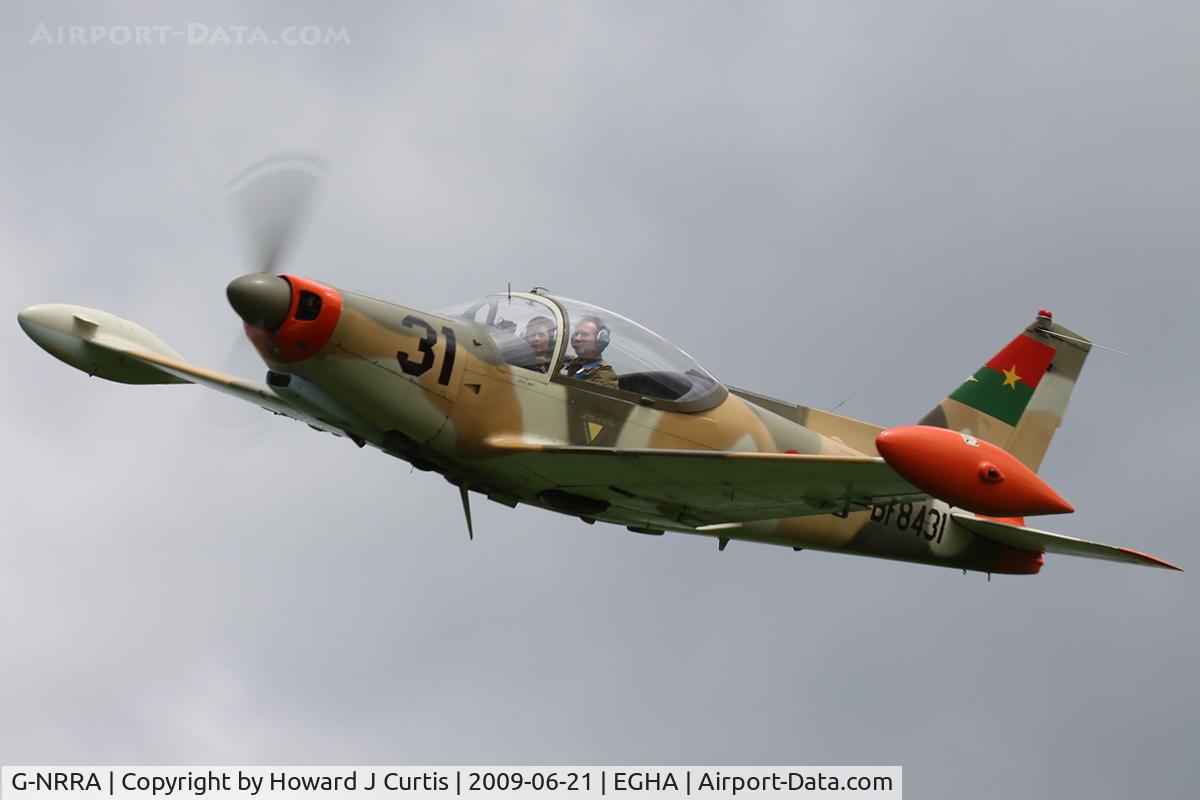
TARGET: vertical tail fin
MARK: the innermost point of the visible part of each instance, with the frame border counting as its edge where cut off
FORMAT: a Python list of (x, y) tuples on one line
[(1018, 398)]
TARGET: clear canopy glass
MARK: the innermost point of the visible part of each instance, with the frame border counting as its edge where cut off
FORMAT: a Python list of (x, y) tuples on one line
[(525, 330), (523, 327), (644, 362)]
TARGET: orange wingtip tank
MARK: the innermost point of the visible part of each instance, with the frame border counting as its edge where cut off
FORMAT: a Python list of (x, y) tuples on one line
[(1017, 561), (967, 472)]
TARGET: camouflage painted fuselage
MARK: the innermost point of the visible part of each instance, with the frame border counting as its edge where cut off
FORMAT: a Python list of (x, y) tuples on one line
[(435, 390)]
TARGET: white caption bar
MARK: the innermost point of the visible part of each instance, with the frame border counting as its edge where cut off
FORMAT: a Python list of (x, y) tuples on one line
[(474, 783)]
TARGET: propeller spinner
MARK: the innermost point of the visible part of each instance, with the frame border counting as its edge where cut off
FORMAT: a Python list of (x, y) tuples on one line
[(261, 300)]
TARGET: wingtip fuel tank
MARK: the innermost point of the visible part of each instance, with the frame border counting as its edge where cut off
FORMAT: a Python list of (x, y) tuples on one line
[(91, 340), (968, 472)]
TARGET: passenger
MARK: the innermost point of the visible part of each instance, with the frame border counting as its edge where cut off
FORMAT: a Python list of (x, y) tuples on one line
[(589, 340), (539, 335)]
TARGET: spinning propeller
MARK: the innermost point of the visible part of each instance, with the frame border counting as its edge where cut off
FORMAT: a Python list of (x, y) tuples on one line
[(270, 202)]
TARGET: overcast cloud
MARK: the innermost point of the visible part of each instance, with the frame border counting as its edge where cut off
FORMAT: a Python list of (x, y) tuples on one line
[(818, 200)]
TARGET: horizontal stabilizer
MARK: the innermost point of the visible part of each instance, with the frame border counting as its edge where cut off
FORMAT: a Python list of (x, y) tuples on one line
[(1046, 542)]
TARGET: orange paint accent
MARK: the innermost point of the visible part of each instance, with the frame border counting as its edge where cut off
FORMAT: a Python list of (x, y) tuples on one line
[(298, 339), (1015, 561), (953, 467), (1156, 561)]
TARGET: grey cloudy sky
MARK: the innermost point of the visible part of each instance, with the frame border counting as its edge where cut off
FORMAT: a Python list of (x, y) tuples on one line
[(816, 199)]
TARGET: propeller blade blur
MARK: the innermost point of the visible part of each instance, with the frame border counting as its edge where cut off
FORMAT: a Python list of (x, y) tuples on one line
[(270, 202)]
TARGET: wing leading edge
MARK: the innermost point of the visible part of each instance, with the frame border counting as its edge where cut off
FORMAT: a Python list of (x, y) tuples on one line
[(259, 394)]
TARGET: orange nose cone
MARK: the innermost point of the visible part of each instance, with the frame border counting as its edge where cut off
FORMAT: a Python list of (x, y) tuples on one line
[(967, 472)]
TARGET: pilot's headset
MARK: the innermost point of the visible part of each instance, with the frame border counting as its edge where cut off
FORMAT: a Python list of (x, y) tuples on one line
[(603, 337)]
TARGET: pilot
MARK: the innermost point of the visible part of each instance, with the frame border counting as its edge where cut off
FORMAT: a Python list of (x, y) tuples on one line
[(589, 340), (539, 335)]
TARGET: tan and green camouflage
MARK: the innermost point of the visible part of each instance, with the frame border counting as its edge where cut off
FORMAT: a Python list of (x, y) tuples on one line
[(655, 450)]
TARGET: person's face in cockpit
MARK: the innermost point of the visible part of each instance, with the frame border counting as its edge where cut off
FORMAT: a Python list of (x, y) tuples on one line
[(538, 337), (584, 339)]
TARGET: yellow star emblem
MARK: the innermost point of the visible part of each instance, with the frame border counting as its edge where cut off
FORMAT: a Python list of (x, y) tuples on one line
[(1011, 377)]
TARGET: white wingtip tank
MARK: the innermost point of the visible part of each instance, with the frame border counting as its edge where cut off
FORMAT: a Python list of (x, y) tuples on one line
[(91, 340)]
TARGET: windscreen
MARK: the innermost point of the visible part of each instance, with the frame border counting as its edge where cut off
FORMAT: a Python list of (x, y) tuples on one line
[(523, 328)]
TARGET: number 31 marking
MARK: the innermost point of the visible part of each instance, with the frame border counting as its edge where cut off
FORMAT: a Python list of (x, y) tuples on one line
[(418, 367)]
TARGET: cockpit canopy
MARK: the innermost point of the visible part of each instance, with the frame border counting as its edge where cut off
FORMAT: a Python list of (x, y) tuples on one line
[(534, 332)]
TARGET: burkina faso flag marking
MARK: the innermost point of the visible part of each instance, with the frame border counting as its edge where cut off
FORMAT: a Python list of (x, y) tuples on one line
[(1002, 387)]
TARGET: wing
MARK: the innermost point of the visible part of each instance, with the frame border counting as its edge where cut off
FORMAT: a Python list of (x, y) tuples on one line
[(251, 391), (1046, 542), (107, 346), (697, 489), (259, 394)]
